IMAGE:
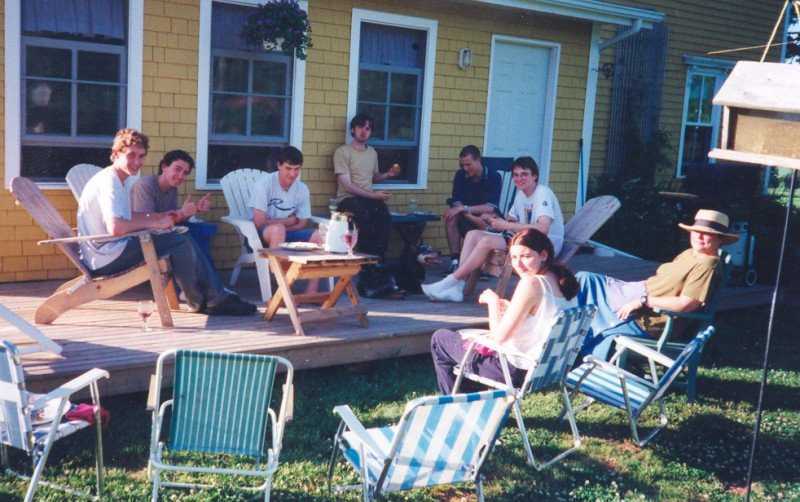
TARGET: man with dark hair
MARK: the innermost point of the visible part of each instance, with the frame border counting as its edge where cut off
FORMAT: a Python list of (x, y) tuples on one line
[(356, 169), (281, 203), (105, 208), (159, 193), (476, 191)]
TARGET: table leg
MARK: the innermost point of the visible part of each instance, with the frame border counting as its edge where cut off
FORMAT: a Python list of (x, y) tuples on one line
[(336, 292), (352, 293), (284, 293)]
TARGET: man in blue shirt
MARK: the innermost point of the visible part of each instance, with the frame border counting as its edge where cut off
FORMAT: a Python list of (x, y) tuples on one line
[(476, 191)]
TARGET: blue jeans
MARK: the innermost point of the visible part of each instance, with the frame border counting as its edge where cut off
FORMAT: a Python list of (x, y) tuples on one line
[(606, 324), (191, 268), (302, 235)]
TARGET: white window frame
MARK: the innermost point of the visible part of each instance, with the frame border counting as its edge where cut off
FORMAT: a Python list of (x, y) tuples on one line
[(708, 67), (204, 93), (13, 83), (430, 26)]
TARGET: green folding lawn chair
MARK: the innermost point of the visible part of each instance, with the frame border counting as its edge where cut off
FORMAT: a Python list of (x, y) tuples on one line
[(221, 413)]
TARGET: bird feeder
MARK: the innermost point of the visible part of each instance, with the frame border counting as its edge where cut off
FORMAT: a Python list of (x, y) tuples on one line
[(760, 115)]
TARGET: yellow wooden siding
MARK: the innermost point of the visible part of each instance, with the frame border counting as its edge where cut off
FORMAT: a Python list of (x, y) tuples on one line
[(169, 110), (695, 27)]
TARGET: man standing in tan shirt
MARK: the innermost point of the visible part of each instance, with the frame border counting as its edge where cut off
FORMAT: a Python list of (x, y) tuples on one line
[(356, 169)]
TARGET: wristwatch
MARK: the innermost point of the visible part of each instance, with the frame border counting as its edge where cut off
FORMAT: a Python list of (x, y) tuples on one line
[(643, 299), (466, 209)]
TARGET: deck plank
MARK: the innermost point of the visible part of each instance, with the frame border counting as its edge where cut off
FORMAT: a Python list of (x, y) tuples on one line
[(108, 333)]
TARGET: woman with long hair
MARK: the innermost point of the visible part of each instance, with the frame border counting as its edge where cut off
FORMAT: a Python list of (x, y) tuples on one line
[(545, 288)]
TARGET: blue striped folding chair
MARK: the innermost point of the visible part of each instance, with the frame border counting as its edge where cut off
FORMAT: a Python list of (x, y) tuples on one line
[(546, 371), (32, 422), (220, 407), (608, 383), (439, 440)]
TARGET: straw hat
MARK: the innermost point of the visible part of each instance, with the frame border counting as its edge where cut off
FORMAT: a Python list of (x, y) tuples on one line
[(708, 221)]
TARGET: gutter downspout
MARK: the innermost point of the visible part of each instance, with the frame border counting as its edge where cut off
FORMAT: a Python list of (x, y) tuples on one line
[(595, 47)]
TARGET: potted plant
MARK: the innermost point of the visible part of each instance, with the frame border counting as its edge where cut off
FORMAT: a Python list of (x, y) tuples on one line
[(279, 25)]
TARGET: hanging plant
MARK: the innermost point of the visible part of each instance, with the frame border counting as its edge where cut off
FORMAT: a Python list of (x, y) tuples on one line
[(279, 25)]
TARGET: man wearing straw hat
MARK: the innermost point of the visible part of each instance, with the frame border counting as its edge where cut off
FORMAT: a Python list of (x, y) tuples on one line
[(682, 285)]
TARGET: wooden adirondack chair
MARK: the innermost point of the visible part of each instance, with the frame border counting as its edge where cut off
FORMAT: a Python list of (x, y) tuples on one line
[(86, 288), (577, 232), (79, 175), (237, 187)]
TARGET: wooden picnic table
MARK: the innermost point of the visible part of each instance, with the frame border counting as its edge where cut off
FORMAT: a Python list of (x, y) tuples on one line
[(289, 265)]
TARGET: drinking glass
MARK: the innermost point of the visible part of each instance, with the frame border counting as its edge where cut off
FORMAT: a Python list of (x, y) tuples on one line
[(412, 205), (145, 309), (528, 214), (350, 238)]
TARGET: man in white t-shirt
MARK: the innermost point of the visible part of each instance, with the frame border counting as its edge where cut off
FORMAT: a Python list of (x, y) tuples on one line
[(282, 203), (535, 206), (105, 208)]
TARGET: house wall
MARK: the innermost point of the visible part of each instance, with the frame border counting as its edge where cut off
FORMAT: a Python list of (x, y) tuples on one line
[(695, 27), (169, 111)]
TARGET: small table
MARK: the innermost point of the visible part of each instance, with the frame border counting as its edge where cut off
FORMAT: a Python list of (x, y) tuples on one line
[(289, 265), (410, 227)]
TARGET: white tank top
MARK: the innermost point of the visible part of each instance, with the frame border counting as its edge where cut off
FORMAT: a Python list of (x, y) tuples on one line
[(530, 337)]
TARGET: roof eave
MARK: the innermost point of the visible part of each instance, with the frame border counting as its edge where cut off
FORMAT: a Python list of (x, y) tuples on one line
[(588, 10)]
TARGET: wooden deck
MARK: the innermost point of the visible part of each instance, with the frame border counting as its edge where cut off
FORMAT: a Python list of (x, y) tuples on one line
[(108, 333)]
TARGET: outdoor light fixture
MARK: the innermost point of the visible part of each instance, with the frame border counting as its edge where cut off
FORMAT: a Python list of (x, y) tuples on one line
[(464, 58)]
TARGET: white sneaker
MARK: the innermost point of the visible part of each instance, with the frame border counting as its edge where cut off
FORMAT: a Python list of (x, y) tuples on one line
[(437, 287), (451, 293)]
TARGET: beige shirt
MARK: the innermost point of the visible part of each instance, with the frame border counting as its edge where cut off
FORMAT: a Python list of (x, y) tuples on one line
[(359, 165), (689, 274)]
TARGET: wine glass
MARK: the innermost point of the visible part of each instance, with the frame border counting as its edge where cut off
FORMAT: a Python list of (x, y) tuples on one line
[(145, 309), (350, 238)]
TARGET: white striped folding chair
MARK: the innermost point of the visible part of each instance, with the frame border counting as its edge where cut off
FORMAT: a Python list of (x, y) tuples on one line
[(439, 440), (32, 422), (547, 371), (220, 407), (609, 384)]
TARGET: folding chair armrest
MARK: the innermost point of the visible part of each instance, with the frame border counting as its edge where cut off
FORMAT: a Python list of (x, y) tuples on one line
[(701, 315), (489, 342), (71, 387), (630, 344), (599, 363), (352, 423)]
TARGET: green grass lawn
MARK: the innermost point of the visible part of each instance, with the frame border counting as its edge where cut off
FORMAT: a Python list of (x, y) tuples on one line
[(701, 456)]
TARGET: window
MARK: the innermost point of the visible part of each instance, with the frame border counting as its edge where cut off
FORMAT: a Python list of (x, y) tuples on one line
[(73, 85), (391, 71), (250, 97), (701, 119)]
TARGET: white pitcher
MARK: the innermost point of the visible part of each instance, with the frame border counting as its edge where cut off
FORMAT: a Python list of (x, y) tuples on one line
[(337, 227)]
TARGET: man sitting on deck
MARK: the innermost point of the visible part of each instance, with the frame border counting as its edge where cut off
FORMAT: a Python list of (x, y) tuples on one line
[(105, 208), (682, 285), (158, 193)]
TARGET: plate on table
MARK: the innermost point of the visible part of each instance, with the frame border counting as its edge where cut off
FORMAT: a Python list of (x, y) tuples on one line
[(301, 246)]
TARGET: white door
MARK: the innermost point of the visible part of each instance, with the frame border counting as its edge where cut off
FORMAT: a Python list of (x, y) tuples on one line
[(521, 103)]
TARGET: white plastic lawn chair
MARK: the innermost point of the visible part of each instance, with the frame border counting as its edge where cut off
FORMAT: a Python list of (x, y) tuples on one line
[(32, 422), (546, 371), (79, 175), (607, 383), (237, 187), (220, 406), (439, 440)]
